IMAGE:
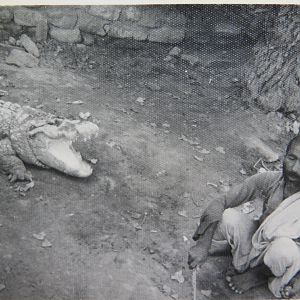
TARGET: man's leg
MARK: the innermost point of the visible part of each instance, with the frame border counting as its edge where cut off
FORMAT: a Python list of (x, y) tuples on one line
[(283, 259), (236, 230)]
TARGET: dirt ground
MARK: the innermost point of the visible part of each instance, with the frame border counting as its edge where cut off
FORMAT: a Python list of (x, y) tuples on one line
[(123, 232)]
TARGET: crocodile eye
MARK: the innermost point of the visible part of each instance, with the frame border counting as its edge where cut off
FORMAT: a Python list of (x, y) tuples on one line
[(57, 121), (291, 157)]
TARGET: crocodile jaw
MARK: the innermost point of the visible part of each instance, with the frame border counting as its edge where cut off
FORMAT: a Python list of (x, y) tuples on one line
[(52, 146), (61, 156)]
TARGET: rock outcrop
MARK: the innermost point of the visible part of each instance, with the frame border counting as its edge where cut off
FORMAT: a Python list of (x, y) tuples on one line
[(273, 78)]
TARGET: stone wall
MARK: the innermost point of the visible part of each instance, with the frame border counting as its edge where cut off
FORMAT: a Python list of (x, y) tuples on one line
[(76, 24), (156, 23)]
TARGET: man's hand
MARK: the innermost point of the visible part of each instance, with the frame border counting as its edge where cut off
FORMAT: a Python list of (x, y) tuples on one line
[(197, 255)]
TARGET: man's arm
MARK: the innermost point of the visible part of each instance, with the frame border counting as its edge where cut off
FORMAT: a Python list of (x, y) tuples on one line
[(253, 187), (199, 252)]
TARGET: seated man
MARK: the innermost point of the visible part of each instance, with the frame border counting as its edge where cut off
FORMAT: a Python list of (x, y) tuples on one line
[(263, 251)]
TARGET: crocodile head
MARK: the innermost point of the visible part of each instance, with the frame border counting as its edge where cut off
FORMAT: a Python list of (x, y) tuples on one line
[(53, 145)]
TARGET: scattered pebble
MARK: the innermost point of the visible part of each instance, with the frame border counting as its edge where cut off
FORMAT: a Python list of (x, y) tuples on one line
[(168, 58), (84, 116), (39, 236), (3, 93), (137, 226), (212, 184), (243, 172), (183, 213), (198, 158), (40, 106), (46, 244), (186, 195), (134, 110), (162, 172), (70, 215), (221, 150), (166, 289), (12, 41), (153, 125), (151, 251), (104, 237), (40, 198), (203, 151), (175, 51), (81, 46), (206, 293), (296, 126), (135, 215), (191, 142), (153, 231), (94, 161), (178, 277), (185, 239), (262, 170), (166, 125), (113, 144), (27, 187), (174, 296), (79, 102), (153, 86), (141, 100)]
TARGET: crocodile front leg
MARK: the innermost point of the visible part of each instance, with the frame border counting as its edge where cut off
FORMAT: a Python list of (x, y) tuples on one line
[(10, 164)]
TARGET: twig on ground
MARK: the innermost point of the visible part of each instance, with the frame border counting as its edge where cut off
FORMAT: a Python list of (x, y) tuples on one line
[(194, 283), (263, 164), (254, 166), (196, 217), (144, 219), (194, 201)]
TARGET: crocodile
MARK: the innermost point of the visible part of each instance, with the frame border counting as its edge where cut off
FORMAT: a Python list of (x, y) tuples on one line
[(31, 136)]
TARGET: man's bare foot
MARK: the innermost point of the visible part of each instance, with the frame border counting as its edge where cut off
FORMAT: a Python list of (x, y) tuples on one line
[(241, 283), (292, 289), (231, 271)]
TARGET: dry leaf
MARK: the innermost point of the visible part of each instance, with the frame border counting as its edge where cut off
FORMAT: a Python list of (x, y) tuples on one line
[(178, 277)]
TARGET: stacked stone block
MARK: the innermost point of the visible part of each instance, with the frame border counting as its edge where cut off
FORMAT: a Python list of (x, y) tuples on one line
[(74, 24)]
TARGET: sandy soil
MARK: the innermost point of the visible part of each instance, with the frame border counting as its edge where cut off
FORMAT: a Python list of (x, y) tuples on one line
[(122, 233)]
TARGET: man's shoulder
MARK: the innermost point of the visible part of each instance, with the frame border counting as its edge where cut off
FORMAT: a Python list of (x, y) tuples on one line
[(266, 178)]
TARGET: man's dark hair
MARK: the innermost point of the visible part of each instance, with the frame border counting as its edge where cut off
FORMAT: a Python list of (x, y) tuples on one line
[(291, 142)]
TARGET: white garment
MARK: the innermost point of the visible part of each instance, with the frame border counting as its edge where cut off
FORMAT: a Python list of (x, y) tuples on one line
[(270, 243)]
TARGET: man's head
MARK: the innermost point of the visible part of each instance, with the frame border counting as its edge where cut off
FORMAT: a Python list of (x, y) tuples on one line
[(291, 163)]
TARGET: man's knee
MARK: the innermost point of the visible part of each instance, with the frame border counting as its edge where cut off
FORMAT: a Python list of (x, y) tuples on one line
[(232, 218), (282, 253)]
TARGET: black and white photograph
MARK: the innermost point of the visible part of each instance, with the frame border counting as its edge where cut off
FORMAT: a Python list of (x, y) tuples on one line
[(149, 152)]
